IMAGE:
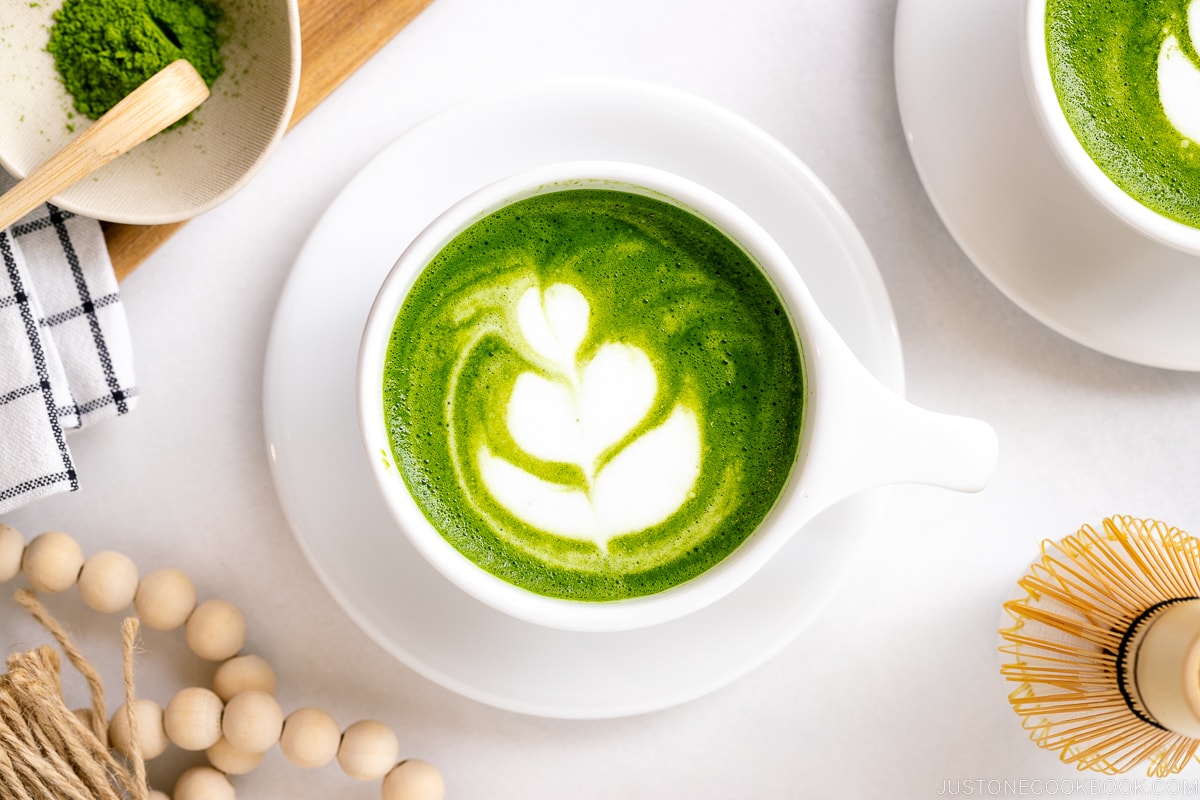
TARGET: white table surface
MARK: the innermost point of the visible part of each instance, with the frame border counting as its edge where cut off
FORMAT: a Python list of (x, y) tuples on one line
[(893, 692)]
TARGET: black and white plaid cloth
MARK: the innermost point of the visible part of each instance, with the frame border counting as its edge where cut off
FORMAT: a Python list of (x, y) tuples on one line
[(65, 351)]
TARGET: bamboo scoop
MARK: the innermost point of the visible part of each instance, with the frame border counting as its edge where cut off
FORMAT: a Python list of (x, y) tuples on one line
[(168, 96)]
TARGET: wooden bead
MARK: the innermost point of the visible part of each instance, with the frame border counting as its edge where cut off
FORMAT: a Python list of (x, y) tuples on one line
[(216, 630), (108, 582), (242, 674), (152, 736), (310, 738), (12, 547), (253, 721), (414, 779), (231, 760), (164, 599), (368, 750), (193, 718), (203, 783), (52, 562)]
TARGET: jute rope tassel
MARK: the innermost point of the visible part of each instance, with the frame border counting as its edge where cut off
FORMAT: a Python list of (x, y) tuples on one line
[(46, 750), (49, 754)]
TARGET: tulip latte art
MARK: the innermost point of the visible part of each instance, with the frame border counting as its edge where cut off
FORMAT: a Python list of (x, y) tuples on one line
[(593, 394)]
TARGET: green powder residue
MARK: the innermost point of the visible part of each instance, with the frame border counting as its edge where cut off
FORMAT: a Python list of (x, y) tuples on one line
[(104, 49)]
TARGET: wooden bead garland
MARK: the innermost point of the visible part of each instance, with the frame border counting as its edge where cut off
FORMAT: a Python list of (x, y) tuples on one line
[(411, 779), (12, 547), (215, 630), (310, 738), (52, 562), (237, 720), (164, 599), (368, 750), (108, 582), (242, 674), (253, 722), (151, 734), (203, 783), (230, 760), (192, 719)]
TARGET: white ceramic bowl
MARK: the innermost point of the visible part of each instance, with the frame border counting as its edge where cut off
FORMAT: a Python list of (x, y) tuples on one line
[(856, 433), (1036, 68), (179, 173)]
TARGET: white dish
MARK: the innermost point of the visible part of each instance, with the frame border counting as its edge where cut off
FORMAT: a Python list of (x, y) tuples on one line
[(322, 477), (179, 173), (1011, 205)]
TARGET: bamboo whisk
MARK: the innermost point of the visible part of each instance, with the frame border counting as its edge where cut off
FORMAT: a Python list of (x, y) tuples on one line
[(1104, 647)]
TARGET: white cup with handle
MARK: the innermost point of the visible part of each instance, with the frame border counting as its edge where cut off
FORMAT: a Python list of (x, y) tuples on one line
[(1176, 84), (856, 433)]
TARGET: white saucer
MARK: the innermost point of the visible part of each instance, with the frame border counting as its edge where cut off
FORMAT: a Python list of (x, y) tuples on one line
[(1014, 209), (321, 473)]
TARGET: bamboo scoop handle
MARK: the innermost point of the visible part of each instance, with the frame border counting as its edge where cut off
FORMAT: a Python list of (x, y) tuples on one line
[(168, 96)]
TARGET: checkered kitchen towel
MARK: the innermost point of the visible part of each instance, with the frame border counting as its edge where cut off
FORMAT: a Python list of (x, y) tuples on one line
[(65, 351)]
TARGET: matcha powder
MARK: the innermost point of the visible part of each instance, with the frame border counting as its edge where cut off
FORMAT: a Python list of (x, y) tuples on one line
[(104, 49)]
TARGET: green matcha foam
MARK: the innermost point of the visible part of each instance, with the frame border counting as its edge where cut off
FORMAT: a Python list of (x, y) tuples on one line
[(1125, 73), (593, 394)]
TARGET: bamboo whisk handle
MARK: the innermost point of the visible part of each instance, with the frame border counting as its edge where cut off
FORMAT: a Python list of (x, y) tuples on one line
[(1162, 667)]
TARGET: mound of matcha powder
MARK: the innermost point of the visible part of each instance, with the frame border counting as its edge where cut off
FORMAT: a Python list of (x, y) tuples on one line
[(104, 49)]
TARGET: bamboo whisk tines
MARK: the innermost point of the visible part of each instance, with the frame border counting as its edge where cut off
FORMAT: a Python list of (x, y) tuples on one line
[(1104, 647)]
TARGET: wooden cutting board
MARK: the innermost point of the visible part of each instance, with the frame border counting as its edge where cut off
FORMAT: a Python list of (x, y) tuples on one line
[(336, 38)]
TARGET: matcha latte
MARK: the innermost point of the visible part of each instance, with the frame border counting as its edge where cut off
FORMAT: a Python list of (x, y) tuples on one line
[(593, 394), (1127, 76)]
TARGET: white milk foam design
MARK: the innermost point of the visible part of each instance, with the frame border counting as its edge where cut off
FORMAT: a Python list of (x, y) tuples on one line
[(1179, 81), (579, 414)]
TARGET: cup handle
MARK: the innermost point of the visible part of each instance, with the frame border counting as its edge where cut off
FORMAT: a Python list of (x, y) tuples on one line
[(865, 435)]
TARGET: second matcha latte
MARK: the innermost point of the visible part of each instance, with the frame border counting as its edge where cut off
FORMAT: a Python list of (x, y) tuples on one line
[(1126, 73)]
